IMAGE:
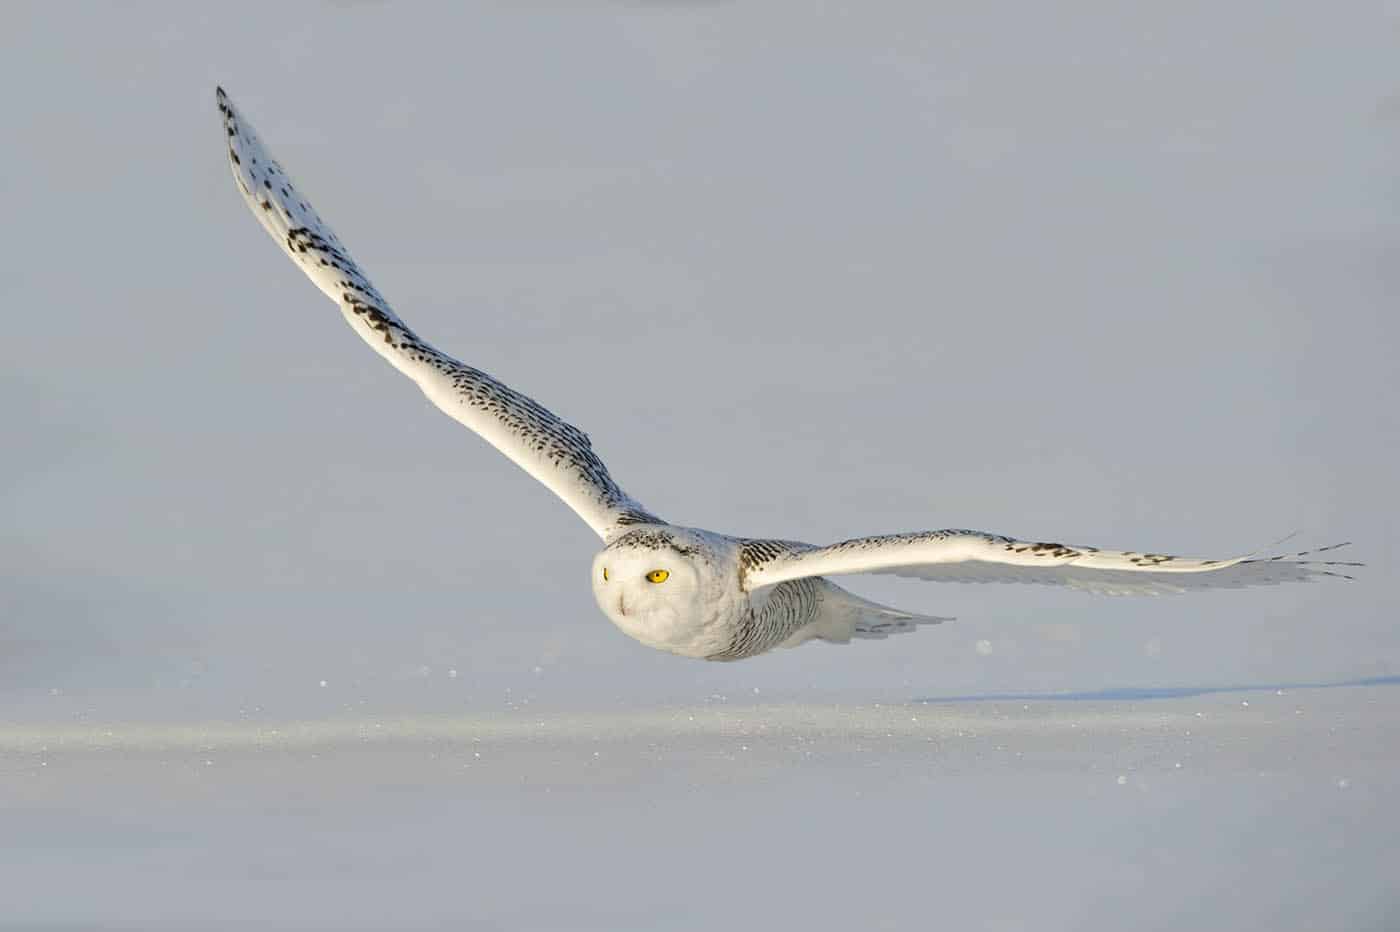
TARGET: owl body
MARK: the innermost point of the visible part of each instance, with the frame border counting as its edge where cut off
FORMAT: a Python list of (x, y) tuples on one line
[(684, 591)]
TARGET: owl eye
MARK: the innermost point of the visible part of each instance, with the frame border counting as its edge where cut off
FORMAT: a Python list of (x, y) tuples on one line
[(605, 574), (658, 576)]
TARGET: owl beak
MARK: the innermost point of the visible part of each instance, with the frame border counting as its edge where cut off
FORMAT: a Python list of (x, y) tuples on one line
[(621, 604)]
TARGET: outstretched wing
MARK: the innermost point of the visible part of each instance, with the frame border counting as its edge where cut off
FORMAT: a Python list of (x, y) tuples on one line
[(554, 452), (972, 556)]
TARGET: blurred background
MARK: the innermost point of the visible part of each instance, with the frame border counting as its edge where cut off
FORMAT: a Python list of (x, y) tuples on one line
[(1117, 276)]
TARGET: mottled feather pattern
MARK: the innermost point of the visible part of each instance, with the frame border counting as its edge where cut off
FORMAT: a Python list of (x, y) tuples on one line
[(958, 555), (789, 606), (791, 612), (555, 452), (799, 610)]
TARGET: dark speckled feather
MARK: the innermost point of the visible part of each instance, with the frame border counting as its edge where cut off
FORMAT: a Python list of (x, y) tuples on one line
[(957, 555), (552, 450)]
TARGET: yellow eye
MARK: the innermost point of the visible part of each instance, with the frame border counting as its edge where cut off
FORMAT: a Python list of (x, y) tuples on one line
[(658, 576), (605, 574)]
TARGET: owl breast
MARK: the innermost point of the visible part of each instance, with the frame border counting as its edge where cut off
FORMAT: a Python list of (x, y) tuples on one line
[(770, 617), (702, 632)]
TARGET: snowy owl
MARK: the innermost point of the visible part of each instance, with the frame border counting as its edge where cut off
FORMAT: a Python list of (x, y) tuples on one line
[(685, 590)]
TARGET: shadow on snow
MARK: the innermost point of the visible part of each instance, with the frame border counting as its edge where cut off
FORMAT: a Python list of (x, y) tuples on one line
[(1136, 693)]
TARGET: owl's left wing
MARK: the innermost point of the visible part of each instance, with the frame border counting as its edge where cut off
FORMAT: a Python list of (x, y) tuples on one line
[(974, 556), (552, 450)]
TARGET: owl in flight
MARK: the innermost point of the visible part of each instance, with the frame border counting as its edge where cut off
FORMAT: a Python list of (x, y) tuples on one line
[(689, 591)]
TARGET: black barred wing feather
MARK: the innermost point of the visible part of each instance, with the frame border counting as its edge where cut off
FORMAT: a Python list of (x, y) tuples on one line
[(554, 452), (974, 556)]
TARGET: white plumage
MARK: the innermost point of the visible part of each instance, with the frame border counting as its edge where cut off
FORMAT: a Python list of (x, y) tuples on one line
[(693, 592)]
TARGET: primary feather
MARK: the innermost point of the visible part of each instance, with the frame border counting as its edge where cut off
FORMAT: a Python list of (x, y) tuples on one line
[(553, 451), (974, 556)]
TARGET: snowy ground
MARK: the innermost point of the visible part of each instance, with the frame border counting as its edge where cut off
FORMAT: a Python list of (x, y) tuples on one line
[(1237, 809)]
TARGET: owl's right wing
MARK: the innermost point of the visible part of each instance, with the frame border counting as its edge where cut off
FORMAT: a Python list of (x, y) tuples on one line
[(553, 451), (973, 556)]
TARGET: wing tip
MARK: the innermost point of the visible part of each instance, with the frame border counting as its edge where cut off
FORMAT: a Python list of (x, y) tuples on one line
[(1297, 559)]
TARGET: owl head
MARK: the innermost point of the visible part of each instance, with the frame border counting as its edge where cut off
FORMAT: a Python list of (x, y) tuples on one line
[(667, 587)]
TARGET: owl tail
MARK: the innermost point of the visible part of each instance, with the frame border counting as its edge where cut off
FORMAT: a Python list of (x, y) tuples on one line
[(842, 616)]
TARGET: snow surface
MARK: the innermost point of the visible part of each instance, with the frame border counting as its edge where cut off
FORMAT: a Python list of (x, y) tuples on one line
[(1267, 808)]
